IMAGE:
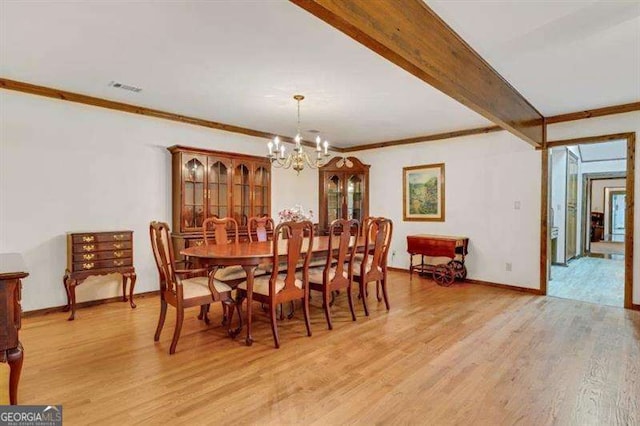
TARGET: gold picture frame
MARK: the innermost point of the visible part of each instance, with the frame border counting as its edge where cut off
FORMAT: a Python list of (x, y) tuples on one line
[(423, 196)]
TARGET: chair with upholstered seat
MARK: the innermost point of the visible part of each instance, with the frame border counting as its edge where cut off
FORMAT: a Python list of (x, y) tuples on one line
[(337, 272), (259, 228), (373, 266), (290, 284), (183, 288), (231, 275)]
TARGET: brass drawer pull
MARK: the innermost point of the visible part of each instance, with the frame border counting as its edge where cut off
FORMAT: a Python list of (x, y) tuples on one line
[(118, 253), (119, 237), (198, 243), (87, 239), (118, 262), (87, 265), (88, 247), (88, 256), (118, 245)]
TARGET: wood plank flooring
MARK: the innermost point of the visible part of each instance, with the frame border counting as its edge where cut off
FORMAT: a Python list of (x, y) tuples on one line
[(467, 354)]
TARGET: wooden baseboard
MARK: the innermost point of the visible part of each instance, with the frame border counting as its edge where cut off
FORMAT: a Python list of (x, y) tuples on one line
[(45, 311), (635, 307), (487, 283), (506, 286)]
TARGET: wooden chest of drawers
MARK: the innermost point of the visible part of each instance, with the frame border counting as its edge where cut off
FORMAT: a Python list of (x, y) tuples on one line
[(98, 253)]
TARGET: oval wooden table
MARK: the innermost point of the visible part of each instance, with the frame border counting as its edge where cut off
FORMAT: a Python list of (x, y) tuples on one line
[(249, 256)]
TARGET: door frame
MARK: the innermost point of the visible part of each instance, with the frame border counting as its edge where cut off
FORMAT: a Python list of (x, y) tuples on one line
[(613, 192), (570, 155), (587, 185), (630, 137)]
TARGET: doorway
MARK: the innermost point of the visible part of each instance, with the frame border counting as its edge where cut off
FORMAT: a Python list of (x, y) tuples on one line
[(588, 255)]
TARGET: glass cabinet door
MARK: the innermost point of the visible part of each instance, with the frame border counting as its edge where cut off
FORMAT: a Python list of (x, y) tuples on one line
[(241, 194), (334, 198), (218, 188), (193, 202), (261, 191), (355, 194)]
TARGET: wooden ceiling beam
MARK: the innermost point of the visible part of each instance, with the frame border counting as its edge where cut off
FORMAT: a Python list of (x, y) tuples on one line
[(412, 36), (135, 109)]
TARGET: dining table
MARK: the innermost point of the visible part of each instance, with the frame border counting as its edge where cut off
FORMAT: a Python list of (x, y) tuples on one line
[(249, 255)]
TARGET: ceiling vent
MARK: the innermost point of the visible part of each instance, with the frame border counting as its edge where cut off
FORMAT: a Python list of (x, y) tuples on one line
[(123, 86)]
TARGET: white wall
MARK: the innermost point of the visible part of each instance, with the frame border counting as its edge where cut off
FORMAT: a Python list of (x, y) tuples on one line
[(619, 123), (597, 192), (484, 176), (66, 166)]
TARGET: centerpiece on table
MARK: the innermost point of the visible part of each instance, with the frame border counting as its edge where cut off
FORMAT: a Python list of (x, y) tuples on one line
[(295, 214)]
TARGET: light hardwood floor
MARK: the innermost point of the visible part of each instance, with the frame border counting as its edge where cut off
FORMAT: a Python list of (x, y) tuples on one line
[(467, 354)]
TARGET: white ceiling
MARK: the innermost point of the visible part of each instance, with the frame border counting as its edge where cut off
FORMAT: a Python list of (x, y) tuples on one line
[(563, 56), (240, 62), (236, 62), (615, 150)]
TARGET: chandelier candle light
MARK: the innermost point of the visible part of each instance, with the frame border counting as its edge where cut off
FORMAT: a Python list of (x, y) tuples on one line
[(298, 158)]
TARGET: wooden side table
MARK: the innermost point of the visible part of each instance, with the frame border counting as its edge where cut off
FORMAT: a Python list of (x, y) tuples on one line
[(12, 271), (98, 253)]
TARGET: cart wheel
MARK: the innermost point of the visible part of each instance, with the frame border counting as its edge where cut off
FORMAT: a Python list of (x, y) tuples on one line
[(443, 275), (459, 269)]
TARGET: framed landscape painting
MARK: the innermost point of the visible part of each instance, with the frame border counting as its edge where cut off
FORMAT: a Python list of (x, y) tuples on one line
[(423, 192)]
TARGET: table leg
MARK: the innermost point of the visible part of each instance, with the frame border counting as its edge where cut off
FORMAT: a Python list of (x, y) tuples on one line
[(132, 285), (66, 289), (124, 287), (249, 269), (71, 288), (15, 357)]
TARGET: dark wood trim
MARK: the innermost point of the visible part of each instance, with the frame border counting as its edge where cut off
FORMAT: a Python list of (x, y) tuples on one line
[(588, 140), (630, 137), (591, 113), (226, 154), (635, 307), (58, 309), (135, 109), (616, 109), (395, 30), (506, 286), (486, 283), (427, 138), (545, 249)]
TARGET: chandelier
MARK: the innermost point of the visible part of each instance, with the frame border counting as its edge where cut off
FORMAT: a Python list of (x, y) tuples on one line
[(298, 158)]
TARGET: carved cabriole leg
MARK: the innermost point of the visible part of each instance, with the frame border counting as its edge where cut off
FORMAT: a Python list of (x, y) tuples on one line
[(231, 307), (15, 357), (202, 311), (132, 285), (65, 280), (363, 292), (124, 287), (305, 308), (72, 295), (410, 266), (378, 291), (384, 292), (163, 316)]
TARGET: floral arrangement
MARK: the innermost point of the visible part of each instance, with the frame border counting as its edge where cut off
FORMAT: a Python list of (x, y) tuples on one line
[(295, 214)]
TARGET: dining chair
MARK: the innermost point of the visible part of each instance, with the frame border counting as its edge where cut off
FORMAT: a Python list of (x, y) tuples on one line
[(232, 275), (373, 266), (183, 288), (366, 222), (287, 285), (337, 272)]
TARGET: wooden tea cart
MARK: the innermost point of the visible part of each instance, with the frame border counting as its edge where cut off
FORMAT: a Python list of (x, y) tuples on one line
[(439, 246)]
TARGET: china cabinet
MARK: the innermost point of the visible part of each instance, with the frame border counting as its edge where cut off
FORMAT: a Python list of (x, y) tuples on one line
[(214, 183), (344, 191)]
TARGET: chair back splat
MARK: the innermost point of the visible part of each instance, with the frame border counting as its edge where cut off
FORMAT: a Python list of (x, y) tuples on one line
[(221, 228), (298, 248), (259, 228)]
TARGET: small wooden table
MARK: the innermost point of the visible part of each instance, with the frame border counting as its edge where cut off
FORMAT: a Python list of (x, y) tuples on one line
[(249, 256), (452, 247), (12, 271)]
